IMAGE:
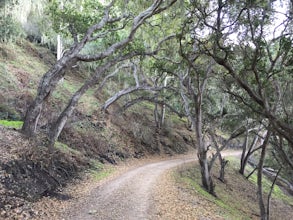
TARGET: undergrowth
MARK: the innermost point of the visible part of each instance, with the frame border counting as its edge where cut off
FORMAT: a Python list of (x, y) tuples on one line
[(11, 124), (65, 148), (99, 171)]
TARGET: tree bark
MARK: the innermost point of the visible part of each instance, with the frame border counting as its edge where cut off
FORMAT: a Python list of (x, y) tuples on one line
[(223, 164), (59, 47), (156, 113), (202, 148), (206, 178), (47, 85), (263, 211), (243, 159), (62, 119)]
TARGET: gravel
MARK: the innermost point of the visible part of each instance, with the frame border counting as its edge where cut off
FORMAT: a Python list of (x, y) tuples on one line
[(128, 196)]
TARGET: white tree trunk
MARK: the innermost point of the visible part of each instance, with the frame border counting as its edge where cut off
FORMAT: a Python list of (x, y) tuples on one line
[(59, 47)]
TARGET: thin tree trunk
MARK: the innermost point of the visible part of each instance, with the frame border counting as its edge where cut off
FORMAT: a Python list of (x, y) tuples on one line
[(254, 169), (163, 112), (271, 191), (156, 113), (185, 104), (59, 47), (263, 211), (246, 155), (223, 164), (163, 108), (202, 150), (243, 159)]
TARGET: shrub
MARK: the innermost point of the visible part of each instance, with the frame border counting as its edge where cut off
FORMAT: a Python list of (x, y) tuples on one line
[(10, 29)]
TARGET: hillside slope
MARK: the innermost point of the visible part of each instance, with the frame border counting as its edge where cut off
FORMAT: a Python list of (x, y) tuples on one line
[(236, 198), (90, 138)]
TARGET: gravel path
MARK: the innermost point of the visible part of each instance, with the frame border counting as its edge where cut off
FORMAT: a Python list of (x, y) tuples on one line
[(129, 196)]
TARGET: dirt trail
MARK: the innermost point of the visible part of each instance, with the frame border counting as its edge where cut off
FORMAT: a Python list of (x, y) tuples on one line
[(126, 197)]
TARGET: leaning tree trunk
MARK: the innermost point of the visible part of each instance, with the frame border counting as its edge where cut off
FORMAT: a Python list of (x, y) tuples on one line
[(49, 81), (46, 86), (62, 119)]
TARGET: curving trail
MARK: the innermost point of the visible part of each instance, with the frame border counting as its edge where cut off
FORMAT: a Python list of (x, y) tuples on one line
[(128, 197)]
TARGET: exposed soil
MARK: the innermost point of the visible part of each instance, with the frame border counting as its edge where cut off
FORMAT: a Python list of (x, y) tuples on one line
[(29, 172)]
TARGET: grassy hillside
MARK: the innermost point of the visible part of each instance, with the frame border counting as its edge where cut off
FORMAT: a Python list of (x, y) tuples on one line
[(236, 198), (90, 138)]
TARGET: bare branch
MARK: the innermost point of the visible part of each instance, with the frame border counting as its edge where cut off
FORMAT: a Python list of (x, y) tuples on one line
[(104, 34), (102, 84), (152, 100), (127, 91)]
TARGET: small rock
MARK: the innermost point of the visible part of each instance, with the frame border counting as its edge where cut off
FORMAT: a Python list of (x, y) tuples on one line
[(92, 212)]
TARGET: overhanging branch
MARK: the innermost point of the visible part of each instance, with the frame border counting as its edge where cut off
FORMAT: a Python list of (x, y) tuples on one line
[(127, 91), (152, 100)]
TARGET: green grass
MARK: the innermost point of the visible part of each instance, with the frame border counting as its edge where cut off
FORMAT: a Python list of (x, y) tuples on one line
[(70, 86), (231, 212), (65, 148), (148, 105), (176, 119), (7, 80), (277, 191), (98, 171), (266, 183), (11, 124)]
